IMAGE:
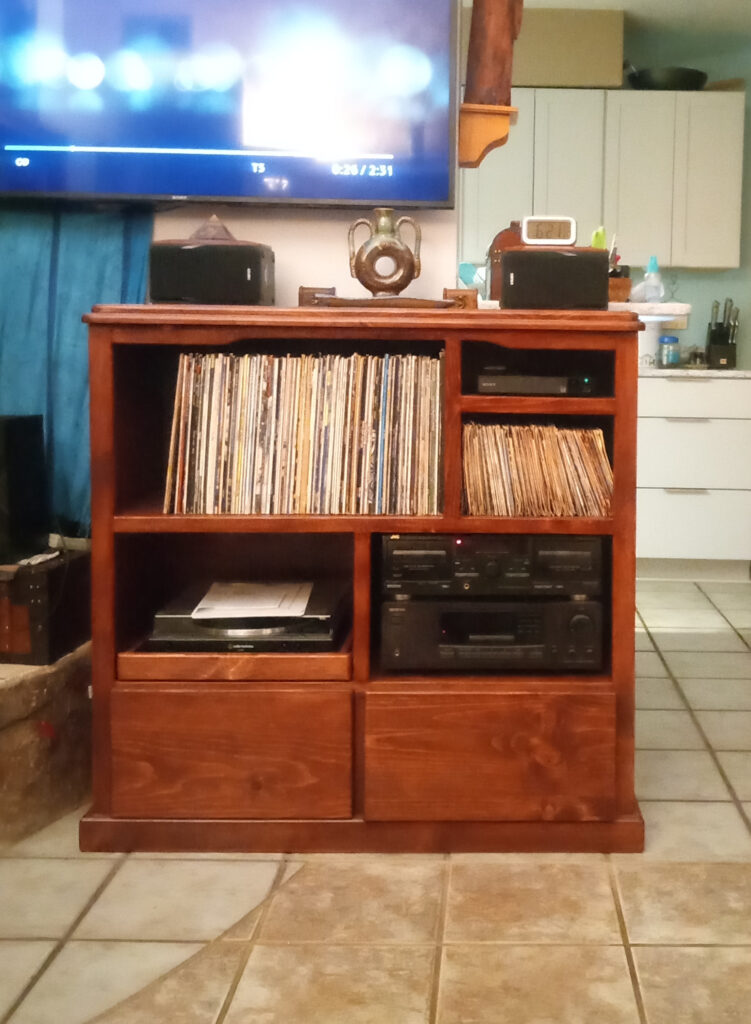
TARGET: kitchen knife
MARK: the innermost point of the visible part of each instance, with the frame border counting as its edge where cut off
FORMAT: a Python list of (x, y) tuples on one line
[(726, 312), (715, 313), (734, 324)]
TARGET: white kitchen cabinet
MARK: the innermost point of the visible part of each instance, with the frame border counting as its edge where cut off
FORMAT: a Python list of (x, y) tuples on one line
[(673, 176), (568, 167), (693, 524), (552, 163), (500, 189), (638, 188), (693, 474), (663, 171), (708, 179)]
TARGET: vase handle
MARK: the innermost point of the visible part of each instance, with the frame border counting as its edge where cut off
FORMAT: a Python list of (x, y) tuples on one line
[(418, 239), (351, 239)]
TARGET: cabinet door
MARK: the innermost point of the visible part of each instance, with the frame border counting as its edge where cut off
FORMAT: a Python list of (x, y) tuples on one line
[(708, 179), (500, 189), (204, 752), (638, 188), (693, 523), (702, 453), (568, 167), (478, 756)]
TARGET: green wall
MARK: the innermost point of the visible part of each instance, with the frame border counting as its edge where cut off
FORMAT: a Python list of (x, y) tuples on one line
[(723, 57)]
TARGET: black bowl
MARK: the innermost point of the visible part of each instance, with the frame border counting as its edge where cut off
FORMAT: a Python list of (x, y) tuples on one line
[(668, 78)]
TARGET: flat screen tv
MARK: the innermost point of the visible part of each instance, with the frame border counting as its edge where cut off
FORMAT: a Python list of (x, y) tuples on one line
[(276, 101)]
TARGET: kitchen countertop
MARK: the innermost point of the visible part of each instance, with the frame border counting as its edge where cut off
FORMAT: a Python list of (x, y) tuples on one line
[(655, 371), (668, 310)]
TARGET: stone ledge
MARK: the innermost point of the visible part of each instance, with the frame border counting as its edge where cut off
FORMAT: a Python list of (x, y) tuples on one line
[(45, 742)]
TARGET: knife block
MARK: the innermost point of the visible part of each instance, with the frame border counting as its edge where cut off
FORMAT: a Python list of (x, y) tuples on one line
[(720, 352), (721, 357)]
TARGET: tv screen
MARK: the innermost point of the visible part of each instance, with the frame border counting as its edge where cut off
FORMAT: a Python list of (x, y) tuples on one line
[(331, 101)]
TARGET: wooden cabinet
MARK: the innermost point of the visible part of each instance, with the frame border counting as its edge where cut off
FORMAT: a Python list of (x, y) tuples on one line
[(334, 751), (694, 484), (669, 190)]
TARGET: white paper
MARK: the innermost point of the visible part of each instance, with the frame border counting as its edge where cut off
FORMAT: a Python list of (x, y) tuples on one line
[(253, 601)]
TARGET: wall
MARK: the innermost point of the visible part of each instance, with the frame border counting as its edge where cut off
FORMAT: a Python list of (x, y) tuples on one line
[(722, 57), (310, 245)]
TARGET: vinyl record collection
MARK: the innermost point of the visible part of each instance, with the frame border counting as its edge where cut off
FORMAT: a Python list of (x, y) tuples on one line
[(535, 470), (306, 434)]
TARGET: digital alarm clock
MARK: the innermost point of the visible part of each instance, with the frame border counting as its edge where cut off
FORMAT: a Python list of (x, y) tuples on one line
[(548, 230)]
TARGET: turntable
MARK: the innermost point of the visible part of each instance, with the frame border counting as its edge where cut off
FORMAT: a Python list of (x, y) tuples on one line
[(319, 625)]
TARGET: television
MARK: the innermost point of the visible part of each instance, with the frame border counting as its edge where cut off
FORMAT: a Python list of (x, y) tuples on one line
[(275, 101)]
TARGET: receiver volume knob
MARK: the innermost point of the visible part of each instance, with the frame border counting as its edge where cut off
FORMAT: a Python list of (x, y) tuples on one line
[(581, 625), (491, 567)]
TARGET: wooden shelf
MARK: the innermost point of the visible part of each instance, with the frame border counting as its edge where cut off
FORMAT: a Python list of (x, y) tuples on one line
[(151, 521), (537, 405)]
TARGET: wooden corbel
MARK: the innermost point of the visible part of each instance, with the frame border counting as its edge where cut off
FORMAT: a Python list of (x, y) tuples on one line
[(486, 114)]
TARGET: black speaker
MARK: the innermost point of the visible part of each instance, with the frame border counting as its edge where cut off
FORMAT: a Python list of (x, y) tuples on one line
[(547, 278), (24, 509), (212, 273)]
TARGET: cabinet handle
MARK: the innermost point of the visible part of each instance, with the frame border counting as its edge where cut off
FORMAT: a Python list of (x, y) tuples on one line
[(688, 419), (685, 490)]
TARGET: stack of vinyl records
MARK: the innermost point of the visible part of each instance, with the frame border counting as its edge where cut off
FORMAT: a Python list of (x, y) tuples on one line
[(308, 434), (535, 470)]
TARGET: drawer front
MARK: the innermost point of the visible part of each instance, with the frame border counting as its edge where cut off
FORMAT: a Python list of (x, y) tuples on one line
[(705, 524), (183, 753), (695, 396), (484, 756), (694, 453)]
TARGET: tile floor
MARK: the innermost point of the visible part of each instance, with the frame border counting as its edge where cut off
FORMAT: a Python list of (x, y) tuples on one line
[(658, 938)]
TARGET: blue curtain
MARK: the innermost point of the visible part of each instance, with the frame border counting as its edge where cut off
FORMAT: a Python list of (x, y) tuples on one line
[(55, 264)]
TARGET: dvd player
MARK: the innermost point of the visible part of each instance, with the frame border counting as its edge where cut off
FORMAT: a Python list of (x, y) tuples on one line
[(319, 628), (495, 381)]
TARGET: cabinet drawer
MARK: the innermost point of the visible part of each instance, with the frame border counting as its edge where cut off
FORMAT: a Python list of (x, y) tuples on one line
[(185, 753), (695, 396), (693, 453), (704, 524), (479, 756)]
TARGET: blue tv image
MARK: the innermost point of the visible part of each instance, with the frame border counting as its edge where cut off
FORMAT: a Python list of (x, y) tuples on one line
[(322, 101)]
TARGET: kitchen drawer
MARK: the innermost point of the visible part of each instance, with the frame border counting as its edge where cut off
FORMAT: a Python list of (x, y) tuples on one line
[(693, 524), (473, 756), (695, 396), (205, 752), (693, 452)]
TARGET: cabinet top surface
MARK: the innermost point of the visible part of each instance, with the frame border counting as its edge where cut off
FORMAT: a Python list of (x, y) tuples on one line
[(317, 318)]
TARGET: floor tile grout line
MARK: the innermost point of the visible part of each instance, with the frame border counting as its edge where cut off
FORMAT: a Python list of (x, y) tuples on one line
[(61, 942), (251, 942), (722, 613), (630, 960), (435, 978), (745, 818)]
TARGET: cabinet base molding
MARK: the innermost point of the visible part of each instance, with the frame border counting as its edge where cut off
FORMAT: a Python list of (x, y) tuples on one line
[(100, 833)]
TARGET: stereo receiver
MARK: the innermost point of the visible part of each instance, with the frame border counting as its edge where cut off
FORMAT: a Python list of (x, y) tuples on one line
[(487, 565), (491, 636)]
